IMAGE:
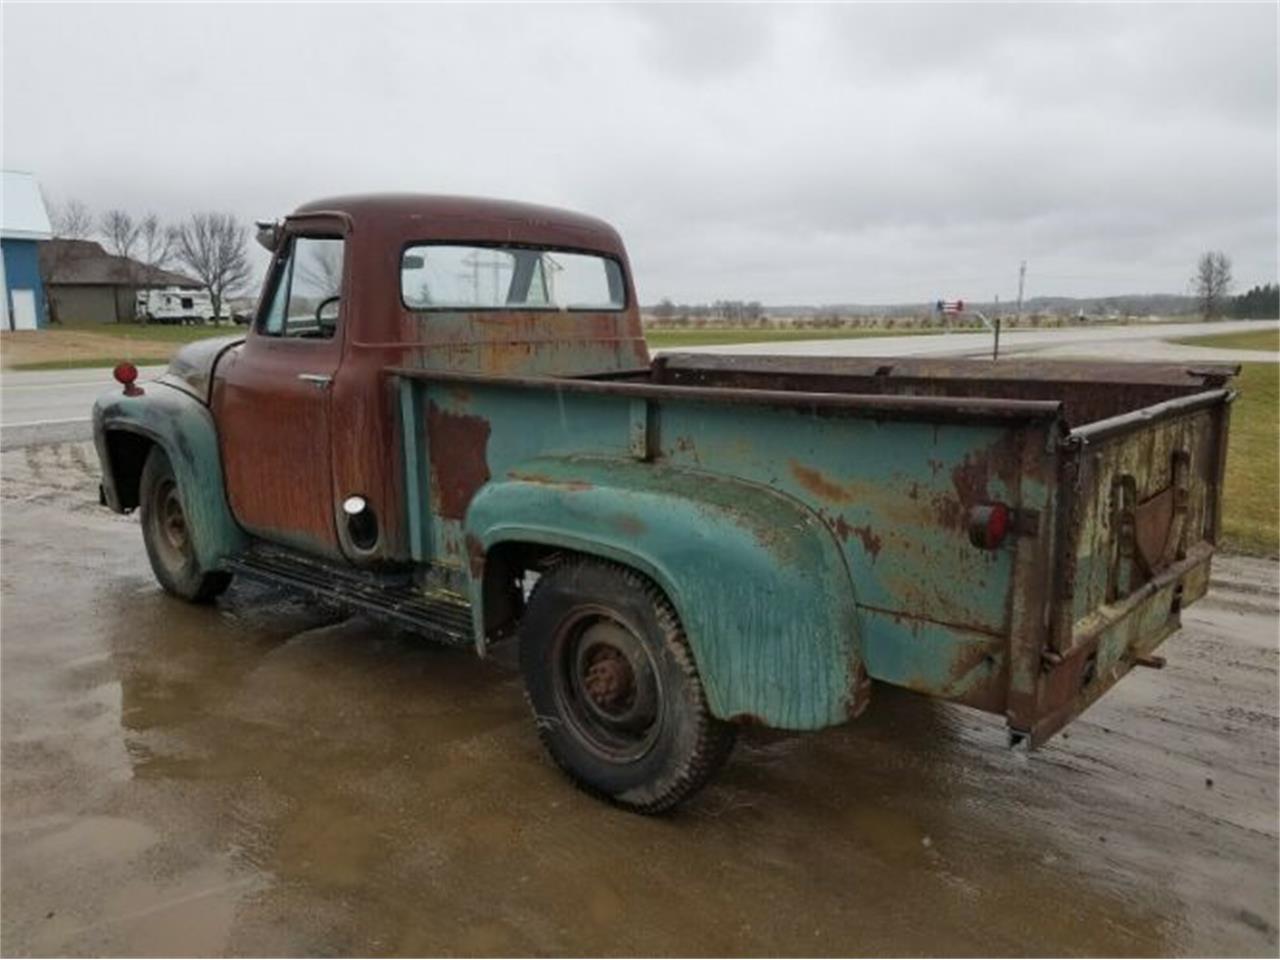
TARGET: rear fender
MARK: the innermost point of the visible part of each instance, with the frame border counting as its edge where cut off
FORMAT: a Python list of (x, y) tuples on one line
[(759, 583), (184, 428)]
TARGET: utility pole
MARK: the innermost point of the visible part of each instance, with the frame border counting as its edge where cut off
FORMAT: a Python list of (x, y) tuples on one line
[(1022, 277)]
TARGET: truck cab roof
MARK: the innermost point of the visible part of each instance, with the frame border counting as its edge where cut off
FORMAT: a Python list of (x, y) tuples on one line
[(421, 216)]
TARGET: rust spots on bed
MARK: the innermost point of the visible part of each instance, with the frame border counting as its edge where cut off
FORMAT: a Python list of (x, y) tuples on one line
[(459, 458)]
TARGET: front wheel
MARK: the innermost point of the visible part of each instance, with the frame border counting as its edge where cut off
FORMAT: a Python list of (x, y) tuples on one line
[(614, 689), (169, 538)]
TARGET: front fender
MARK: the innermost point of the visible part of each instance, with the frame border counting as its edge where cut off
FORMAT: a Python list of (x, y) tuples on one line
[(184, 428), (759, 583)]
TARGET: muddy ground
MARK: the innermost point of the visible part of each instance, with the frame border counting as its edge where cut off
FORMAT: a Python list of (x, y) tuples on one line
[(262, 777)]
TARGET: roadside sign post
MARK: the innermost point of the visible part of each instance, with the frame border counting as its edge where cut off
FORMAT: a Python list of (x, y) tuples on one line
[(956, 307)]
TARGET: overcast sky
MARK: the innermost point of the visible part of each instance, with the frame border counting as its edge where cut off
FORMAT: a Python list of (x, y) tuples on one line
[(791, 154)]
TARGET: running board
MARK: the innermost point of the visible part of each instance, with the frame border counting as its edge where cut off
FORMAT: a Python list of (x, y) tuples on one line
[(446, 618)]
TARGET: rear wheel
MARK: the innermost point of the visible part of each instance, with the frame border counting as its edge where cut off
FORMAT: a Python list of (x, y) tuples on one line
[(169, 538), (614, 688)]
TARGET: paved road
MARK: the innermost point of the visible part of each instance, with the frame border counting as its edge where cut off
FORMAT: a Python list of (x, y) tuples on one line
[(261, 777), (1135, 342), (52, 405)]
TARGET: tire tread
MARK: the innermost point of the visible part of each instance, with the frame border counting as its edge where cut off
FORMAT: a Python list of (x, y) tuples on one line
[(714, 739)]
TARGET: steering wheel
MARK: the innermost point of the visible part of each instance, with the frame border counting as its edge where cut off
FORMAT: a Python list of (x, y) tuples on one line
[(320, 308)]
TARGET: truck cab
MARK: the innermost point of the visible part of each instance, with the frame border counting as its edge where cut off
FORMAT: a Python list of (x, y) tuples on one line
[(444, 413), (307, 417)]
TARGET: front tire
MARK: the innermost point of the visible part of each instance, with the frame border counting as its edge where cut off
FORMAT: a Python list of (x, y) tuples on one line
[(169, 539), (614, 689)]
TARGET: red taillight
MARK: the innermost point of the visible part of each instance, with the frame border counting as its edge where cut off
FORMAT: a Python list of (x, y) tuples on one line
[(126, 373), (989, 525)]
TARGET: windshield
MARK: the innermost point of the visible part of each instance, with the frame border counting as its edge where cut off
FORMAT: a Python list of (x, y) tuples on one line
[(443, 277)]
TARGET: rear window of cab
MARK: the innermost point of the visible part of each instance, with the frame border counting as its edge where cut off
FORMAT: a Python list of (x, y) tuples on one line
[(475, 277)]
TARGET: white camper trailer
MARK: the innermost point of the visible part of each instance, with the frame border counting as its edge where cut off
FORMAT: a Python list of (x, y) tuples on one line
[(174, 305)]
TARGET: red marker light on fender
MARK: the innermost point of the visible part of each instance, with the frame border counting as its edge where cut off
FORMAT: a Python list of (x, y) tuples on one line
[(126, 373), (988, 525)]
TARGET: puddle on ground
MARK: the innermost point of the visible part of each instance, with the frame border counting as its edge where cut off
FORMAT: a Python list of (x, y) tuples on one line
[(262, 776)]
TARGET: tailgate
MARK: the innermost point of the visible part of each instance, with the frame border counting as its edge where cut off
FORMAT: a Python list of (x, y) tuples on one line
[(1137, 519)]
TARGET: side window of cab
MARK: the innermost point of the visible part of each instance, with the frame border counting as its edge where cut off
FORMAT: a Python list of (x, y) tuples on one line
[(306, 298)]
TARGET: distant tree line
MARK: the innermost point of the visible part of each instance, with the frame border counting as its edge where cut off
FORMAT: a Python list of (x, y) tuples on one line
[(1260, 303), (744, 313), (1211, 284), (212, 246)]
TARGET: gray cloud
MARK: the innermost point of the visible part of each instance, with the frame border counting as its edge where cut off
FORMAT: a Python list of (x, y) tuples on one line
[(787, 153)]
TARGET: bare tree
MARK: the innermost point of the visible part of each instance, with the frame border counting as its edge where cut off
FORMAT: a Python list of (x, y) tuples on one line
[(213, 246), (1212, 282), (120, 231), (145, 244), (155, 242), (71, 220)]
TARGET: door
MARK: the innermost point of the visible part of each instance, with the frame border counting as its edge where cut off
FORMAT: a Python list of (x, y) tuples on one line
[(272, 400), (24, 309)]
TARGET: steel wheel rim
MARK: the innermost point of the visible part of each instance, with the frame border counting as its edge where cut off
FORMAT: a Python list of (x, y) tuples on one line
[(174, 538), (607, 686)]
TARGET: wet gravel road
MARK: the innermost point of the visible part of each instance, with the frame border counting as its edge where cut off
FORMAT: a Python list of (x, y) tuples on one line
[(263, 777)]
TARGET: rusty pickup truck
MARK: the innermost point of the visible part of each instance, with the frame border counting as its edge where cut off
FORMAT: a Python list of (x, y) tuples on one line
[(444, 414)]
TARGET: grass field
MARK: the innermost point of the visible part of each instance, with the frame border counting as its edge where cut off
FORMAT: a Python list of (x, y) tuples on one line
[(100, 346), (1268, 340), (1251, 502)]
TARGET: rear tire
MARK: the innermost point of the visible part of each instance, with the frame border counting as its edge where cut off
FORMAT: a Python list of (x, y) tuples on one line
[(614, 689), (170, 541)]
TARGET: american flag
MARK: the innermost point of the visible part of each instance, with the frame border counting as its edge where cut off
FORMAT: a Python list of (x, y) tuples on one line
[(951, 306)]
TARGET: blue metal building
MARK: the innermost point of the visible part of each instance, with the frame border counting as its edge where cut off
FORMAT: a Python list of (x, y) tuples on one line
[(23, 222)]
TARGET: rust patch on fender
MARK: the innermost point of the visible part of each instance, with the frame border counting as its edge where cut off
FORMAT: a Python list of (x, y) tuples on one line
[(459, 458), (842, 528), (818, 484), (629, 524), (836, 523), (543, 480), (859, 692), (871, 541)]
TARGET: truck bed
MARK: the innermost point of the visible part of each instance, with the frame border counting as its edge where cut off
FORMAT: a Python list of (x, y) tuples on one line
[(1088, 391), (1112, 471)]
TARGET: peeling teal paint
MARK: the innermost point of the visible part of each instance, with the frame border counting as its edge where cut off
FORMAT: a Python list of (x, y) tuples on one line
[(184, 428), (757, 579), (887, 500), (932, 658)]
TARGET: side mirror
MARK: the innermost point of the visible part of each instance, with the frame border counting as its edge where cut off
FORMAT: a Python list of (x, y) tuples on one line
[(269, 234)]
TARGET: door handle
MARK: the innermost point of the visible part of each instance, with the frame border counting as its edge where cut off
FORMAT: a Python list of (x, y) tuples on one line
[(321, 380)]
